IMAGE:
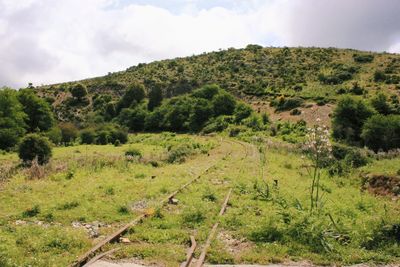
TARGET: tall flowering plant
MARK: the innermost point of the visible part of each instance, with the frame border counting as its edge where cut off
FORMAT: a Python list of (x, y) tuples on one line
[(318, 149)]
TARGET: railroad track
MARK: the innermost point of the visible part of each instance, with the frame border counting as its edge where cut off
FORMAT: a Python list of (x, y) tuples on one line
[(86, 257)]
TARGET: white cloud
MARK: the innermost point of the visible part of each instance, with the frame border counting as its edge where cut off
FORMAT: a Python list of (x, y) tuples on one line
[(47, 41)]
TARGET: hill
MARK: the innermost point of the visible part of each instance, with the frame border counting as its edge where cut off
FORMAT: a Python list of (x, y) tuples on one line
[(258, 75)]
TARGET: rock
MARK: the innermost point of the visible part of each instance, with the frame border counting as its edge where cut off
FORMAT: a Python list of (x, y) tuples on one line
[(173, 201), (76, 224), (124, 240), (20, 222)]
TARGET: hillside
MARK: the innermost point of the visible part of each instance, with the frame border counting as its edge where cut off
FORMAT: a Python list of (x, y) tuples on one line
[(255, 74)]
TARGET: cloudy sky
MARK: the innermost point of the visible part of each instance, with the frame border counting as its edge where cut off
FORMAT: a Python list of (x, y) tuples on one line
[(49, 41)]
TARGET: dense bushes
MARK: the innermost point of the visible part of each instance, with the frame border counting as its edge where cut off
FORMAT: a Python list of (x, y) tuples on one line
[(340, 74), (22, 112), (356, 123), (349, 118), (382, 132), (12, 119), (133, 96), (33, 147), (69, 132), (79, 91), (104, 134), (289, 103), (187, 113), (360, 58), (224, 104), (39, 115), (381, 104)]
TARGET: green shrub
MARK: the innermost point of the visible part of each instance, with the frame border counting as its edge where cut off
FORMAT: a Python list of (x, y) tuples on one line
[(223, 104), (382, 132), (379, 76), (88, 136), (265, 118), (155, 97), (349, 117), (133, 118), (179, 153), (242, 111), (360, 58), (154, 120), (79, 91), (39, 115), (31, 212), (295, 112), (381, 104), (356, 89), (69, 132), (383, 235), (123, 210), (133, 152), (253, 122), (68, 205), (217, 124), (133, 96), (12, 119), (103, 137), (202, 111), (282, 103), (207, 92), (54, 135), (356, 159), (34, 146)]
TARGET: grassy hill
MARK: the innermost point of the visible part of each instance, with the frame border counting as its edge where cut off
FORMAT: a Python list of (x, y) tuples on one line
[(255, 74)]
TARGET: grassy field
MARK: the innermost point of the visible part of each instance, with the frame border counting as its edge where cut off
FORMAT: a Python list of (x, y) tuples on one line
[(49, 221)]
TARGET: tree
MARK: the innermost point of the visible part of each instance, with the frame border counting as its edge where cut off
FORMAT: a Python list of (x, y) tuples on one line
[(134, 119), (381, 104), (154, 120), (38, 111), (54, 135), (88, 136), (79, 91), (68, 132), (155, 97), (207, 91), (34, 146), (224, 104), (201, 112), (382, 132), (349, 118), (12, 119), (177, 113), (109, 111), (133, 95)]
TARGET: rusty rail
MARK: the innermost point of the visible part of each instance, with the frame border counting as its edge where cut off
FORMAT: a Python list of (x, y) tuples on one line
[(82, 260), (200, 261)]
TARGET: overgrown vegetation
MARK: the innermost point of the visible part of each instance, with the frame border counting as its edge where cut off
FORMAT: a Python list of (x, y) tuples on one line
[(320, 207)]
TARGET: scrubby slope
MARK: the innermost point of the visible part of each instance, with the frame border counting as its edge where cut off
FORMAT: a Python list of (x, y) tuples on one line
[(258, 75)]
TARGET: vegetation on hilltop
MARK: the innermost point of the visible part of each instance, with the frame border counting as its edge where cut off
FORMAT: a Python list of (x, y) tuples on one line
[(318, 75)]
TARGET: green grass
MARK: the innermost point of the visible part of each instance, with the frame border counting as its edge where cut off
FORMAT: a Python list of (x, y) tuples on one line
[(96, 183)]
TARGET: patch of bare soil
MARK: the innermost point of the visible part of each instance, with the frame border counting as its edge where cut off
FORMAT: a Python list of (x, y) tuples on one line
[(232, 244), (309, 113), (383, 185)]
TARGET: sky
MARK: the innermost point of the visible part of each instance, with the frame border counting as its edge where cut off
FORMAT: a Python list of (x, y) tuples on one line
[(51, 41)]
